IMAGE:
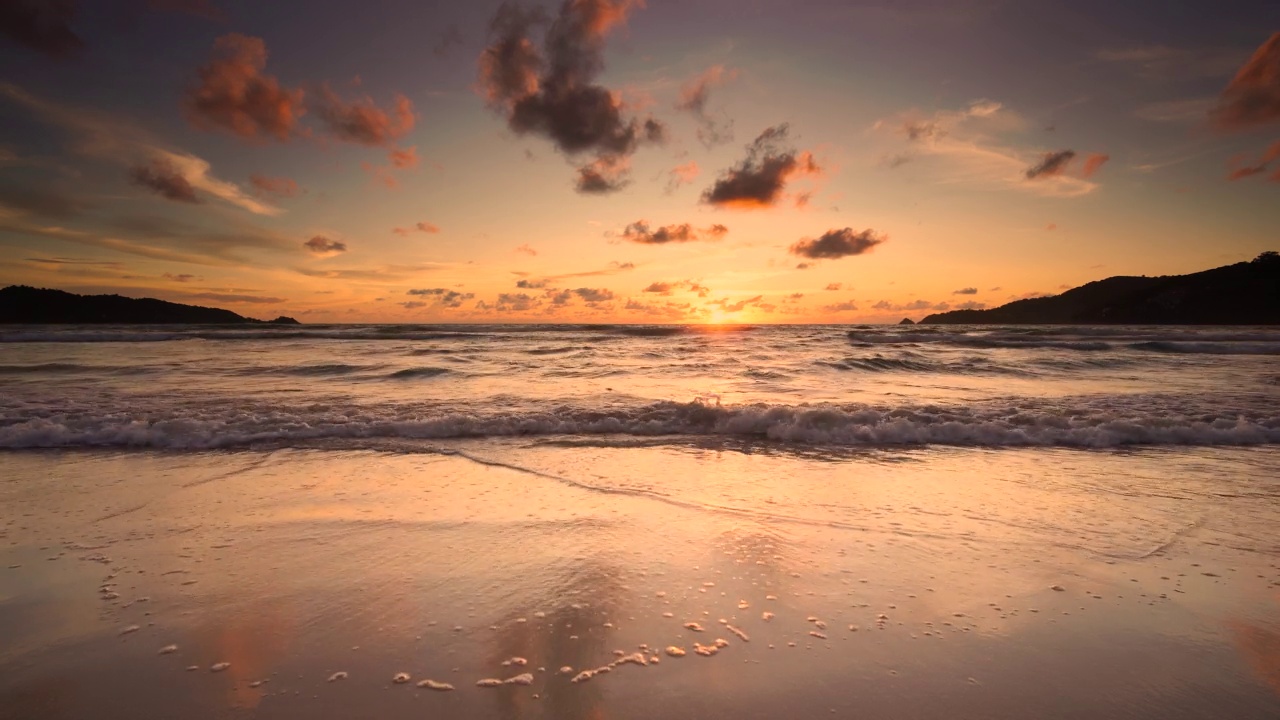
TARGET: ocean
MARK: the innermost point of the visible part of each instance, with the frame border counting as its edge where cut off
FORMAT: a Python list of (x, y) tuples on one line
[(624, 521), (811, 386)]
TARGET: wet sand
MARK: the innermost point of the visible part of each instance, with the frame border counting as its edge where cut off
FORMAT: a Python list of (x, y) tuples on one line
[(686, 582)]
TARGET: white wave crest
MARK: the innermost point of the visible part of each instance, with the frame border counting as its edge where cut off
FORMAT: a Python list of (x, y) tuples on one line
[(808, 425)]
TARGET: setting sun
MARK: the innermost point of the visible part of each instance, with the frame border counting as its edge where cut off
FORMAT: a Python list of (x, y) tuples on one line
[(621, 359)]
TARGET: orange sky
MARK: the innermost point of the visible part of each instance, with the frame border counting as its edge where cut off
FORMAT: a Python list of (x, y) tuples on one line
[(623, 161)]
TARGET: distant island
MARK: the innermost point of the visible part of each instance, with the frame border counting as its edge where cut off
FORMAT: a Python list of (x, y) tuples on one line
[(20, 304), (1247, 293)]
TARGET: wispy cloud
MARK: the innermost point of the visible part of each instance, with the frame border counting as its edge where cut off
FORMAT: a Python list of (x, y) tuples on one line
[(421, 227), (124, 143), (1252, 99), (694, 97), (963, 147)]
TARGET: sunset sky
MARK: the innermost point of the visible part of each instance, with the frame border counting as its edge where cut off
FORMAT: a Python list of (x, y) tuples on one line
[(630, 160)]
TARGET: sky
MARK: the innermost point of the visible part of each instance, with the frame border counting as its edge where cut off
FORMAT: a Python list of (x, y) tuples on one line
[(637, 161)]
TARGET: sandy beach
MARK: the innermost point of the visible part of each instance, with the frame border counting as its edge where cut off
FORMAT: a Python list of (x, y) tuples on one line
[(913, 584)]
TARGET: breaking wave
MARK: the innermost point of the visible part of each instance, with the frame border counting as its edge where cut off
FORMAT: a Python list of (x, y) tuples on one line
[(829, 425)]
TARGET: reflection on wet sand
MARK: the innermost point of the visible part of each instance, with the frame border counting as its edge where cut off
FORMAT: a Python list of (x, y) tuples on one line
[(319, 577), (252, 643), (1260, 646), (572, 633)]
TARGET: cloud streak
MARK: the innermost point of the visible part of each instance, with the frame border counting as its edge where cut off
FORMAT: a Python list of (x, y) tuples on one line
[(1051, 164), (1252, 98), (962, 147)]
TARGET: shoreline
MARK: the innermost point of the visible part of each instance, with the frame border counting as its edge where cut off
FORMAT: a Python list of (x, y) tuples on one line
[(281, 563)]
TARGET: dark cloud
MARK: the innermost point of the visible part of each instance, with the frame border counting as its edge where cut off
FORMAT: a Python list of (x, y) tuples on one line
[(42, 25), (161, 177), (835, 244), (834, 286), (641, 232), (965, 291), (1053, 163), (604, 175), (551, 91), (453, 299), (41, 202), (759, 180), (1252, 98), (182, 277), (515, 302), (234, 95), (321, 245), (280, 187), (662, 288), (594, 295), (527, 250), (361, 121), (693, 100), (444, 297), (531, 284)]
